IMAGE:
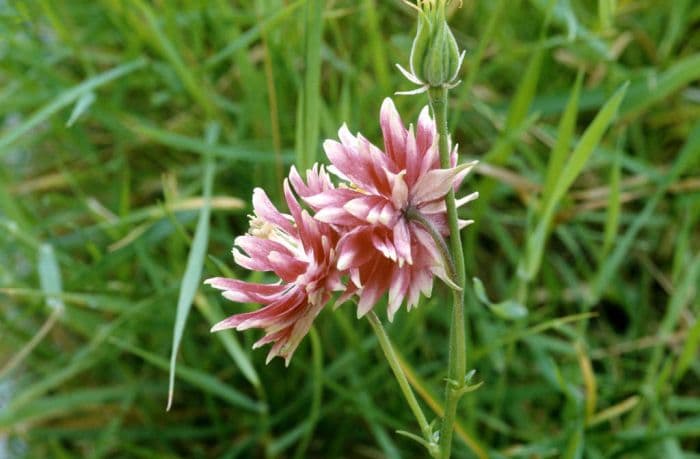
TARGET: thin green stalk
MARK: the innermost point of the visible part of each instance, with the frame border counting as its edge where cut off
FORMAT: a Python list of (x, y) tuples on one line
[(414, 214), (458, 353), (396, 367)]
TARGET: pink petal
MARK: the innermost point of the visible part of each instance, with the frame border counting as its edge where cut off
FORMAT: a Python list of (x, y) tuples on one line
[(397, 291), (425, 130), (292, 204), (354, 249), (399, 189), (430, 157), (376, 281), (362, 207), (246, 292), (394, 133), (346, 137), (317, 181), (287, 267), (436, 183), (257, 247), (402, 242), (267, 211), (332, 198), (337, 216), (388, 215), (385, 246), (413, 158)]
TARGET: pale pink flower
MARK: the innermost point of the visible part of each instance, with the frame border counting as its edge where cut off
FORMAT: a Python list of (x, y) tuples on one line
[(301, 252), (381, 248)]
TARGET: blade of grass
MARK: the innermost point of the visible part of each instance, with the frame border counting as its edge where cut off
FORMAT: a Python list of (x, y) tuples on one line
[(203, 381), (612, 220), (689, 154), (81, 360), (652, 90), (565, 133), (578, 159), (250, 36), (474, 59), (163, 44), (81, 106), (376, 44), (52, 291), (311, 93), (214, 315), (182, 142), (191, 278), (61, 405), (66, 98)]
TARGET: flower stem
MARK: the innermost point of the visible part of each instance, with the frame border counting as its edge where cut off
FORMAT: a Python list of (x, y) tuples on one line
[(450, 269), (395, 365), (457, 352)]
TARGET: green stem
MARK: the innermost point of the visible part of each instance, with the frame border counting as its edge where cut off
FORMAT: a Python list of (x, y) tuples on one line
[(395, 365), (450, 269), (456, 369)]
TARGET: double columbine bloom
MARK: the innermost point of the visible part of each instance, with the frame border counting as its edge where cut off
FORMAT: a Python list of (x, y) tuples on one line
[(362, 240)]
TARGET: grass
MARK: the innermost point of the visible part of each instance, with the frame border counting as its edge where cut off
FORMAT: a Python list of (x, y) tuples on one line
[(111, 205)]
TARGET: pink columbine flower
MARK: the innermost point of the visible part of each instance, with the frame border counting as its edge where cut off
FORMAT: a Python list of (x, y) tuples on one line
[(301, 252), (381, 248)]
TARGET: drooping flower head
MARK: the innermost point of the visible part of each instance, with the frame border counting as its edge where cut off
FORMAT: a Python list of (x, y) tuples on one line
[(381, 247), (301, 251)]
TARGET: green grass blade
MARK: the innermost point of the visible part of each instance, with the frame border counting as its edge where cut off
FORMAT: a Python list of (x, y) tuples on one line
[(565, 133), (194, 145), (66, 98), (191, 279), (518, 110), (578, 159), (688, 156), (50, 277), (199, 379), (163, 43), (52, 291), (214, 315), (250, 36), (55, 406), (586, 146), (651, 91), (81, 106), (310, 115), (376, 45), (612, 220)]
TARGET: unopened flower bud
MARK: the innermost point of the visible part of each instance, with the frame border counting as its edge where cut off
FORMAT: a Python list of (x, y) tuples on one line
[(435, 58)]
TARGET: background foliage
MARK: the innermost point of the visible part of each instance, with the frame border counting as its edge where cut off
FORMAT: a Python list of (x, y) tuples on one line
[(111, 111)]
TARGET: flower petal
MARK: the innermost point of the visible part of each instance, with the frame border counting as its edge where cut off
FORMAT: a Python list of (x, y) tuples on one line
[(268, 212), (394, 133), (436, 183), (402, 242)]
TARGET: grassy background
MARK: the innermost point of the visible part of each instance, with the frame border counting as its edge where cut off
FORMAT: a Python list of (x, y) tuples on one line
[(120, 118)]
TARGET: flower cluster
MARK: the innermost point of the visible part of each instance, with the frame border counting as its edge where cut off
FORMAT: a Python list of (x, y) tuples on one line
[(361, 241)]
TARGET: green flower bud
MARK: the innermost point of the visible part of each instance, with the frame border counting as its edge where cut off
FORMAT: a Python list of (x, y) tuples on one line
[(435, 59)]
